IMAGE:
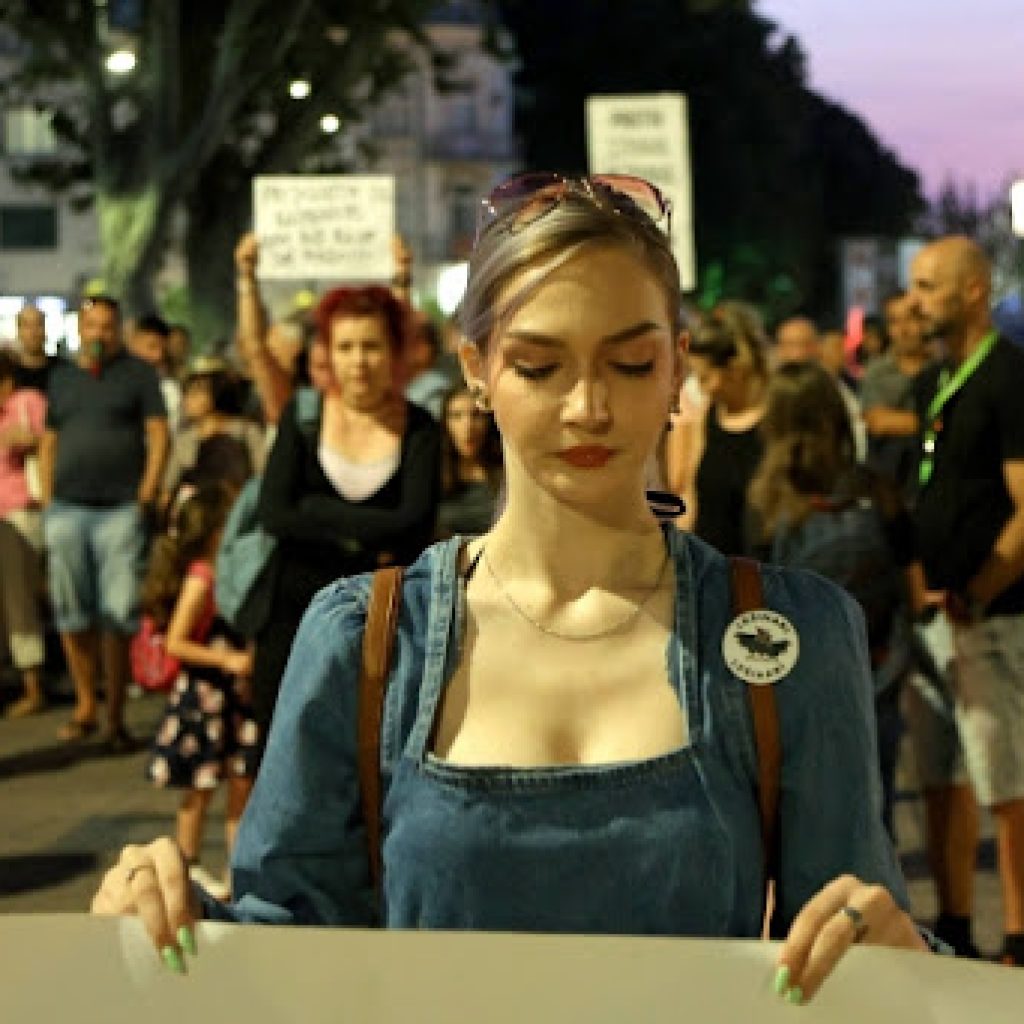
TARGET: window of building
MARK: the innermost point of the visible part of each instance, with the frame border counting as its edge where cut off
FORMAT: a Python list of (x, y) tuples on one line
[(28, 131), (460, 108), (394, 115), (28, 227)]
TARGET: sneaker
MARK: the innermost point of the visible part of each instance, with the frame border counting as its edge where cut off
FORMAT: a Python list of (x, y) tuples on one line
[(215, 887)]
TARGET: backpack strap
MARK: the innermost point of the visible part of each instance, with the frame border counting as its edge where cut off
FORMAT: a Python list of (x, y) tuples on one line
[(307, 411), (745, 576), (378, 645)]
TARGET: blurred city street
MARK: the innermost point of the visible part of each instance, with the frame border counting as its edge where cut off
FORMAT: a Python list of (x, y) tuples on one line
[(68, 810)]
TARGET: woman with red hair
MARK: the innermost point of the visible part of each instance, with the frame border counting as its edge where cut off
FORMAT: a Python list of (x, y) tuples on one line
[(351, 488)]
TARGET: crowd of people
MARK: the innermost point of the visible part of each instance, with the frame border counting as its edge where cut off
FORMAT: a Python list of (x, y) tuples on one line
[(892, 464)]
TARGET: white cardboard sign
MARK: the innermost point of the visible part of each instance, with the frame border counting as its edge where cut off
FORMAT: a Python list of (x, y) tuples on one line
[(325, 227), (85, 969), (648, 136)]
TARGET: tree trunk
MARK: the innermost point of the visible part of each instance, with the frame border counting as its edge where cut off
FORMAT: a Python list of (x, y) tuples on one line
[(132, 232), (209, 249)]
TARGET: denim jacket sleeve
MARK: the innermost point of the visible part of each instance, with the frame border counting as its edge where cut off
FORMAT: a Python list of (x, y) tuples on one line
[(301, 855), (830, 813)]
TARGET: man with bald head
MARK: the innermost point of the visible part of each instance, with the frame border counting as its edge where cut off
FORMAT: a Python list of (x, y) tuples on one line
[(33, 362), (970, 536)]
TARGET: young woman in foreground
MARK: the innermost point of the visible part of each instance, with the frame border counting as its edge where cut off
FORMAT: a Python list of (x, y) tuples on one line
[(606, 782)]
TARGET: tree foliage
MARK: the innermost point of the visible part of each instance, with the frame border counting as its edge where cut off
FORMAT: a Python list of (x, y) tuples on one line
[(206, 109), (779, 173)]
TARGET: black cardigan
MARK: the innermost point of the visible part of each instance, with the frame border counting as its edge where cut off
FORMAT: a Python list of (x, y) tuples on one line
[(316, 525)]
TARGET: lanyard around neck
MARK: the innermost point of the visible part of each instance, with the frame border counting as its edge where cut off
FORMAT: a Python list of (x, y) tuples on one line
[(948, 387)]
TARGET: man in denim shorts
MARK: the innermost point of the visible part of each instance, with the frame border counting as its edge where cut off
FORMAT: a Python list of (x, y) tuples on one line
[(970, 535), (101, 460)]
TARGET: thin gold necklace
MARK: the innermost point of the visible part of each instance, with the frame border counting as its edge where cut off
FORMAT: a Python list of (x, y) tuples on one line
[(618, 627)]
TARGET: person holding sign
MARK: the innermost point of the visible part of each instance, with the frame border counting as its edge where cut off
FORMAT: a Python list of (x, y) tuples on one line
[(351, 487), (565, 740)]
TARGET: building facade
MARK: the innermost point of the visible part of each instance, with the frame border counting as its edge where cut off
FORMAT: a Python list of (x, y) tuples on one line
[(446, 147)]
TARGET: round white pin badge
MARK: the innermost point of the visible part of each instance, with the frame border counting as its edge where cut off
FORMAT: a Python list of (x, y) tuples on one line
[(761, 646)]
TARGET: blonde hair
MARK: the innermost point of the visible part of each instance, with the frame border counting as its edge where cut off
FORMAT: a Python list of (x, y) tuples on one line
[(508, 251)]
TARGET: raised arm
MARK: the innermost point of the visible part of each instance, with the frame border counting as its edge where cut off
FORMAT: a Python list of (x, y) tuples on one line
[(272, 382)]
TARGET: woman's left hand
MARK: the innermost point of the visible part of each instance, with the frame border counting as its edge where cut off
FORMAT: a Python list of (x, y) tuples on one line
[(845, 912)]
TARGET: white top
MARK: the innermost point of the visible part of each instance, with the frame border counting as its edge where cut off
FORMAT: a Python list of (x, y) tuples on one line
[(356, 481)]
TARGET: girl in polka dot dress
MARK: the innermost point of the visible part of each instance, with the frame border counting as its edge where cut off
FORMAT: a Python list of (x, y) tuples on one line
[(208, 734)]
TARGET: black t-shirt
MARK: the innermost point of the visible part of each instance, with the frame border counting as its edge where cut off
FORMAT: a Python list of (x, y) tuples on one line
[(965, 505), (726, 468), (100, 424), (35, 377)]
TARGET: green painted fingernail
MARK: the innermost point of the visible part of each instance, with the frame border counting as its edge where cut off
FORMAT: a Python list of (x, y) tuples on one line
[(795, 996), (187, 940), (173, 959), (781, 980)]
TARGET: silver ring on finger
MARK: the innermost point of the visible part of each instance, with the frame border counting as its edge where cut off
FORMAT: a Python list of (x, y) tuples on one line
[(133, 871), (860, 926)]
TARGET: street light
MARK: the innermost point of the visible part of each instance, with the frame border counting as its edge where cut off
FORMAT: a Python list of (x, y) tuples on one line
[(299, 89), (121, 62), (330, 123)]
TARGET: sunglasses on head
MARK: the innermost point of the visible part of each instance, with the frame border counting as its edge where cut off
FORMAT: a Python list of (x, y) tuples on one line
[(528, 197)]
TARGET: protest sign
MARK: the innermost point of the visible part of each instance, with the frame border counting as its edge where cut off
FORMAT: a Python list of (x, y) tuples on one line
[(325, 227), (75, 967), (648, 136)]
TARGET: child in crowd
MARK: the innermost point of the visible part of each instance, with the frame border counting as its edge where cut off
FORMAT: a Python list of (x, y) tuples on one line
[(208, 733)]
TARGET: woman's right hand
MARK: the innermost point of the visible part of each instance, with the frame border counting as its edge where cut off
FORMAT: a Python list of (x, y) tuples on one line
[(247, 255), (152, 882)]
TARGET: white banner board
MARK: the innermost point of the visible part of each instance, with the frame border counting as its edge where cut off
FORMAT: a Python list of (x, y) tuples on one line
[(1017, 208), (330, 228), (648, 136), (87, 969)]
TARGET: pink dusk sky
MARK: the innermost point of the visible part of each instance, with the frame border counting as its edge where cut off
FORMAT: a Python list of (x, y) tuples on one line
[(940, 82)]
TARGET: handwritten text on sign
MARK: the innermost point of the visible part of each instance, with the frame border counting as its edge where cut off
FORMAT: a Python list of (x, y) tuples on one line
[(327, 228), (647, 136)]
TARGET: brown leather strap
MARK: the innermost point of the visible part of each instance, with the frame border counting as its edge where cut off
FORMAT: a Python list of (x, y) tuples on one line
[(378, 644), (747, 596)]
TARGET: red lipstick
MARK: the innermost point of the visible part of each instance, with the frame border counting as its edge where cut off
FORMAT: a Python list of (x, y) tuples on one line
[(591, 456)]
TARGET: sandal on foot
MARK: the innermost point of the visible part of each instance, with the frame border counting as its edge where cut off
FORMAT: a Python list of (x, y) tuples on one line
[(76, 731), (24, 707)]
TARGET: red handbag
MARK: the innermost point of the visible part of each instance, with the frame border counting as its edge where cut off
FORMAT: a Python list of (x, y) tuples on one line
[(152, 667)]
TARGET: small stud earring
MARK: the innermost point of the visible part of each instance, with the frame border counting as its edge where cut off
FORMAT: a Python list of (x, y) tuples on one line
[(480, 398)]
